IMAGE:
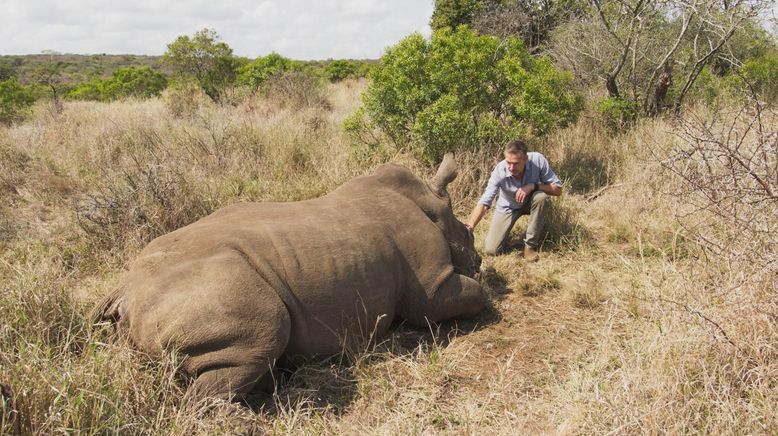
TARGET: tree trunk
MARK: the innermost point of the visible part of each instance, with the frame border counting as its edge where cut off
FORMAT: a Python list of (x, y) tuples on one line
[(611, 86)]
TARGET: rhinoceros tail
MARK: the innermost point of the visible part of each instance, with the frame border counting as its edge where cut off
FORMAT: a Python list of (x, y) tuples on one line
[(107, 310)]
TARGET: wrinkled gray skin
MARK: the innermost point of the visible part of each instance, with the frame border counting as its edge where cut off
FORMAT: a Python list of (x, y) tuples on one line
[(252, 281)]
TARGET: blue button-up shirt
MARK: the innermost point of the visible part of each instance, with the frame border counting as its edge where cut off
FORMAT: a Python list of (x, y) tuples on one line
[(537, 170)]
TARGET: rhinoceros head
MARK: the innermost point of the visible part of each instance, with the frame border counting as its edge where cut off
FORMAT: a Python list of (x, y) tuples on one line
[(460, 240)]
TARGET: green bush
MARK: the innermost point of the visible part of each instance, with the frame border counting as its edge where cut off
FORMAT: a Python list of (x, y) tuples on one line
[(463, 90), (15, 101), (618, 113), (341, 69), (95, 89), (141, 82), (762, 75), (256, 73)]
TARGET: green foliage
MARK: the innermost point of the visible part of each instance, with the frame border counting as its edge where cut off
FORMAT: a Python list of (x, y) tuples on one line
[(140, 82), (761, 74), (618, 113), (206, 59), (15, 101), (453, 13), (256, 73), (461, 90), (95, 89), (341, 69), (7, 70)]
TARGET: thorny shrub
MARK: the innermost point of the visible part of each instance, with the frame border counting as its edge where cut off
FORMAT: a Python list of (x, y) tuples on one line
[(728, 161), (297, 90)]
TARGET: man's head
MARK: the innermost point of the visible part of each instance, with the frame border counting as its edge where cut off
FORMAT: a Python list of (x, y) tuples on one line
[(516, 156)]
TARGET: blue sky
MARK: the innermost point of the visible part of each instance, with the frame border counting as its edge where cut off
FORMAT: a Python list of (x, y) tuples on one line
[(300, 29)]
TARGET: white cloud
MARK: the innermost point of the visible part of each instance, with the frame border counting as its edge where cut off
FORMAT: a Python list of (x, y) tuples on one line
[(300, 29)]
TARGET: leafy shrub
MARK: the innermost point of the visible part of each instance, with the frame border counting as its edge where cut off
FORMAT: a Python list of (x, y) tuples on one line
[(762, 75), (137, 82), (340, 69), (142, 82), (15, 101), (256, 73), (94, 89), (618, 113), (462, 90)]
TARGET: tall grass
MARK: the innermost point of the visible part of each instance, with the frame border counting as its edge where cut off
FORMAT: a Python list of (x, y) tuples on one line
[(628, 324)]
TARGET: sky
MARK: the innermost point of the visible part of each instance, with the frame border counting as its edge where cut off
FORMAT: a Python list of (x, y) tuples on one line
[(298, 29)]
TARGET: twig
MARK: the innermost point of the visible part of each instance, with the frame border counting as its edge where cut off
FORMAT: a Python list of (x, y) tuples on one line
[(600, 191)]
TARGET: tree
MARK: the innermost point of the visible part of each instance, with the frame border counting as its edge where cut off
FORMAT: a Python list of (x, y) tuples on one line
[(639, 49), (529, 20), (464, 90), (206, 59), (453, 13), (49, 75)]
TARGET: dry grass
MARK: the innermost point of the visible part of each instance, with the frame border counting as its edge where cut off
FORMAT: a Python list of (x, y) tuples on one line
[(626, 325)]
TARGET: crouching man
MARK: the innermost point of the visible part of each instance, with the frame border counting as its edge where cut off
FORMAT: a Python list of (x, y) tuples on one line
[(524, 181)]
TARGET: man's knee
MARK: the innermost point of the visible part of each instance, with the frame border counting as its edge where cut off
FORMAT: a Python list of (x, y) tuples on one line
[(540, 198), (490, 251)]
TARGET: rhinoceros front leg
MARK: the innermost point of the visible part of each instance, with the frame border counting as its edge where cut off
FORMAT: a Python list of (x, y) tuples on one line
[(229, 383), (457, 296)]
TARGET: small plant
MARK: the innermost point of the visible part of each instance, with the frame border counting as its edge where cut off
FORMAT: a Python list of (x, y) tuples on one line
[(618, 114)]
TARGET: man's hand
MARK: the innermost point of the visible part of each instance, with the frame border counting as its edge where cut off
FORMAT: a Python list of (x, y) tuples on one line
[(524, 192)]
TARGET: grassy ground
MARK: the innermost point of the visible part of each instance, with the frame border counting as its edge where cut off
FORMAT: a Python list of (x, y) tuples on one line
[(626, 325)]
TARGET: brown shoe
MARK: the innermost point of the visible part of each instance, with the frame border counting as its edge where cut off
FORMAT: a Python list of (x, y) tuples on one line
[(530, 254)]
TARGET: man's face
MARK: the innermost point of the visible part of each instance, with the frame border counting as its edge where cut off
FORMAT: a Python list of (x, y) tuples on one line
[(516, 163)]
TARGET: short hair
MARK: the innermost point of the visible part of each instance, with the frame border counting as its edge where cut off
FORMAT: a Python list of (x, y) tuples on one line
[(516, 146)]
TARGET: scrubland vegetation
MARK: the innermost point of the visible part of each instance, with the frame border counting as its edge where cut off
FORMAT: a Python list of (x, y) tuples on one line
[(653, 309)]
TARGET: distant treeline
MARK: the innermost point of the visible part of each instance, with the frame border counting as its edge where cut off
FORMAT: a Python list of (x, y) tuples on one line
[(203, 59)]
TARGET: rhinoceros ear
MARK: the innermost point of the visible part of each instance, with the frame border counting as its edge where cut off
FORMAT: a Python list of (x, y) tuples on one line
[(446, 173)]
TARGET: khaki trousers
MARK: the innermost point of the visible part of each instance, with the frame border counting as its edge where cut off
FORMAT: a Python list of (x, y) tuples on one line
[(502, 223)]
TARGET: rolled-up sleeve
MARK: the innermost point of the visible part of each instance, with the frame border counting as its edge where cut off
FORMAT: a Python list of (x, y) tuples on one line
[(547, 175), (491, 188)]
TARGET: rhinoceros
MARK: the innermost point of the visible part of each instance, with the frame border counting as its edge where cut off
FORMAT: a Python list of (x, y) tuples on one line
[(251, 282)]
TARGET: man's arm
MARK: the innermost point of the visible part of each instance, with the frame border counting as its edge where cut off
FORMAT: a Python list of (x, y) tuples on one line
[(549, 182), (550, 189), (475, 216), (486, 199)]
